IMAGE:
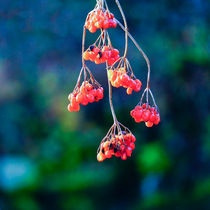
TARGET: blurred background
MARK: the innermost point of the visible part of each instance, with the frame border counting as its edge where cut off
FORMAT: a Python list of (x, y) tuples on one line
[(48, 155)]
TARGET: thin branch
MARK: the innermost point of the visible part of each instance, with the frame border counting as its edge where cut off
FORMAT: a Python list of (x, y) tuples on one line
[(140, 50), (126, 27), (83, 45), (111, 104), (110, 101)]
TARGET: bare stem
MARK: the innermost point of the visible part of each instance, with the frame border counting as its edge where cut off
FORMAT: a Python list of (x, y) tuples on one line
[(111, 104), (83, 45), (125, 28), (153, 99), (110, 101), (140, 50), (79, 79)]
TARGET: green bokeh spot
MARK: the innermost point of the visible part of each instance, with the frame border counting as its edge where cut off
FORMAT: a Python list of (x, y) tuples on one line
[(153, 158)]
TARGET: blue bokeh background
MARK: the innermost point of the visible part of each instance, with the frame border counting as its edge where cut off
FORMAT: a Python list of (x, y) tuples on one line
[(48, 155)]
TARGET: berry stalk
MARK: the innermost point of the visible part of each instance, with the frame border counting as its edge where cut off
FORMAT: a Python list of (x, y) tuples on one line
[(83, 45), (125, 27), (140, 50), (111, 104), (119, 140)]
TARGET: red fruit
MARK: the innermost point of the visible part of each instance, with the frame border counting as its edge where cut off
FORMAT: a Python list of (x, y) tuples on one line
[(146, 115), (96, 50), (93, 92), (149, 124), (110, 73), (70, 96), (114, 24), (114, 76), (132, 113), (138, 120), (111, 61), (89, 86), (84, 101), (138, 85), (105, 48), (70, 108), (152, 117), (122, 148), (128, 151), (73, 101), (92, 29), (90, 98), (76, 107), (157, 120), (129, 91), (132, 145), (144, 106), (124, 156), (86, 55), (132, 84), (110, 15), (106, 55), (133, 138), (83, 89), (97, 60), (106, 24), (79, 97), (124, 78), (115, 52), (106, 145), (100, 157), (108, 154), (100, 94), (118, 154), (138, 116)]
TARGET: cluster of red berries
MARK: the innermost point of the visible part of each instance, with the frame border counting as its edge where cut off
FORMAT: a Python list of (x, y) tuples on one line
[(147, 114), (87, 93), (98, 55), (119, 145), (100, 19), (119, 78), (116, 143)]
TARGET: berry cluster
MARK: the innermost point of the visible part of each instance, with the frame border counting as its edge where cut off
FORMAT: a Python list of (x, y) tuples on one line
[(119, 140), (119, 78), (120, 145), (87, 93), (147, 114), (100, 19), (97, 55)]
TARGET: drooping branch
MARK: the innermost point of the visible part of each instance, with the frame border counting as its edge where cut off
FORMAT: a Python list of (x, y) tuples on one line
[(140, 50), (83, 45), (126, 27), (111, 104)]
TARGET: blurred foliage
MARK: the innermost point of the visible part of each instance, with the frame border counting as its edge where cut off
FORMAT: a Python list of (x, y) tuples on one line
[(48, 155)]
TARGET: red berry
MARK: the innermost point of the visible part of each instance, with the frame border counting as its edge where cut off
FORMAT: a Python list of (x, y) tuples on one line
[(129, 91), (146, 115), (124, 156), (149, 124), (132, 145)]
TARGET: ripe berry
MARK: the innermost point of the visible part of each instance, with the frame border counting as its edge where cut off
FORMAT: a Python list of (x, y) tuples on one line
[(101, 55), (124, 156), (99, 19), (119, 78), (149, 124), (85, 94), (120, 145), (147, 114)]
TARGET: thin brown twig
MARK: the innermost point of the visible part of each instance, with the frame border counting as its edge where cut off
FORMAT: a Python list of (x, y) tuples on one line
[(83, 45), (140, 50), (126, 27)]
